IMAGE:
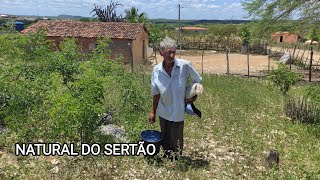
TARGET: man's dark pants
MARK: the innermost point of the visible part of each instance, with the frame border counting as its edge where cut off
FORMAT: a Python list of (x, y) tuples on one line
[(172, 135)]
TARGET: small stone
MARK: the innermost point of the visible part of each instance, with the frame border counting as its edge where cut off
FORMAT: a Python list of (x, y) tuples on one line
[(111, 129), (55, 161), (55, 170)]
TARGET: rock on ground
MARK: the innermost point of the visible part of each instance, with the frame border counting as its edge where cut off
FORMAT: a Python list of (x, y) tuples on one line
[(113, 130)]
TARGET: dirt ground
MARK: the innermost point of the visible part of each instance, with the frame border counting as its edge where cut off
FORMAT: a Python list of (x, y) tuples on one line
[(299, 53), (216, 63)]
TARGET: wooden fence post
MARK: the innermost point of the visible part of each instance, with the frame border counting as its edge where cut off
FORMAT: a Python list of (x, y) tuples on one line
[(179, 49), (266, 48), (202, 63), (227, 54), (269, 54), (310, 67), (248, 65), (299, 47), (290, 60), (294, 50), (304, 51)]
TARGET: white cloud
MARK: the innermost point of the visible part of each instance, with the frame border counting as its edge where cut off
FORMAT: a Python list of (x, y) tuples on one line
[(234, 5), (192, 9), (213, 6), (204, 6)]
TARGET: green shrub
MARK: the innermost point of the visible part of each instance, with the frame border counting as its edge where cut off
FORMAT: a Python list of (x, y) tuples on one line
[(57, 96), (283, 78)]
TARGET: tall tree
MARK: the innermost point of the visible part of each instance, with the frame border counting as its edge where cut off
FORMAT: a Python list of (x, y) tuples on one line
[(314, 35), (107, 14), (133, 16), (245, 36), (304, 12)]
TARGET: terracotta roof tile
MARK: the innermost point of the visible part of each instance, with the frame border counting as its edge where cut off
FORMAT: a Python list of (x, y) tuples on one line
[(62, 28)]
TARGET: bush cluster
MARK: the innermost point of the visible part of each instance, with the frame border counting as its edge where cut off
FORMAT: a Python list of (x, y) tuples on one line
[(57, 95), (283, 78)]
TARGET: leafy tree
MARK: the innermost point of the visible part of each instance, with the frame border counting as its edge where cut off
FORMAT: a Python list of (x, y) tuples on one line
[(133, 16), (107, 14), (155, 34), (307, 12), (314, 35), (263, 29), (224, 30), (245, 35)]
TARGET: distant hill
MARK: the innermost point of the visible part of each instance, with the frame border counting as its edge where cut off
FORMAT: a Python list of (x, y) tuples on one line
[(64, 16), (196, 22)]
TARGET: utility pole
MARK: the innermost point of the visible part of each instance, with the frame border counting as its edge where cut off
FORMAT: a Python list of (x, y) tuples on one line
[(179, 33)]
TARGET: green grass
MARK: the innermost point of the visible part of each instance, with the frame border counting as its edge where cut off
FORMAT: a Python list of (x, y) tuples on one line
[(242, 118)]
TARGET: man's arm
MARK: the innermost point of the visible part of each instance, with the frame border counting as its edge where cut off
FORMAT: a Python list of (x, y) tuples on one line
[(156, 96), (152, 116)]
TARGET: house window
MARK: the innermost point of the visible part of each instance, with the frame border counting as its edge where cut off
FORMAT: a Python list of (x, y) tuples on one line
[(281, 38), (92, 46)]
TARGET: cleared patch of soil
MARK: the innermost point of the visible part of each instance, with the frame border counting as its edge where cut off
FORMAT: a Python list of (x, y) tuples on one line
[(216, 63)]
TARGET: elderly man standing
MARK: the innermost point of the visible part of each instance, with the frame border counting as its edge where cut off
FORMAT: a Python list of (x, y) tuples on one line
[(168, 88)]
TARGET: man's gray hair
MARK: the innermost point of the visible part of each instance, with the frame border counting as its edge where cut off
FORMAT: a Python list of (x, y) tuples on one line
[(167, 43)]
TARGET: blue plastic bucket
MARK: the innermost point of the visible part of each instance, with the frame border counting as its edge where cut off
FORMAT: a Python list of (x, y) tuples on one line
[(152, 137)]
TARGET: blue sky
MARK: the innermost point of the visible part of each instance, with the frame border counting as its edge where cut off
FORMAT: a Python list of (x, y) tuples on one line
[(192, 9)]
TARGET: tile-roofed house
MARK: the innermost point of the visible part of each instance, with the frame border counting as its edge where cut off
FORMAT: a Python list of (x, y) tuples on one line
[(87, 33)]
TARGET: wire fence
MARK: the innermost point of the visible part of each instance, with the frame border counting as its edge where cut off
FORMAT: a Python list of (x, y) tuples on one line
[(304, 59), (258, 61)]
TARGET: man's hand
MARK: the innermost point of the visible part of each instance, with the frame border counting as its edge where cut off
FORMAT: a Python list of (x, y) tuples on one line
[(152, 117), (191, 100)]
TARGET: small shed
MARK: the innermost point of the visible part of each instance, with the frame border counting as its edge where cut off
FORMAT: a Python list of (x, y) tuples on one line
[(285, 37), (125, 37)]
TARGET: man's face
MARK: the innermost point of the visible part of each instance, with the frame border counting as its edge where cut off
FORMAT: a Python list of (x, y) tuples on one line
[(168, 54)]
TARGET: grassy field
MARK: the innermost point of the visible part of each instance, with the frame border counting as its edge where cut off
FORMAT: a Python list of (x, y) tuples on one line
[(242, 118)]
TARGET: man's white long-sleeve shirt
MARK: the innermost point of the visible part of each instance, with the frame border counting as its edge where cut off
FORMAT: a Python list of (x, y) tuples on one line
[(172, 89)]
